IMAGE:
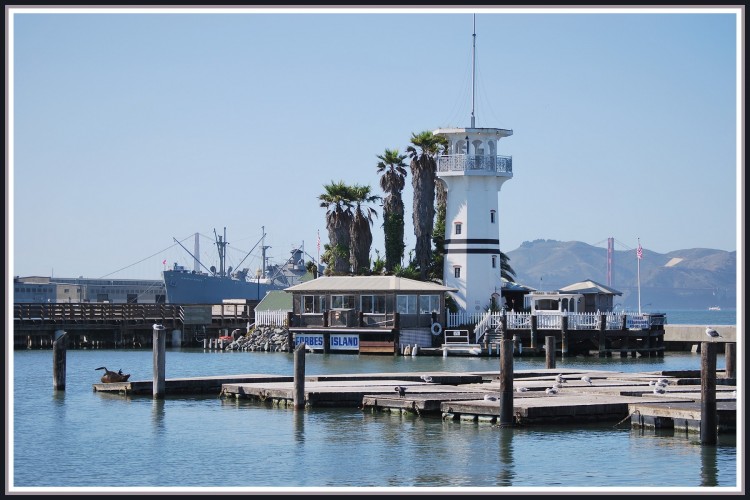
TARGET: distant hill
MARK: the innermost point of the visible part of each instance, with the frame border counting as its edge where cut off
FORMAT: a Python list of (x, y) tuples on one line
[(695, 278)]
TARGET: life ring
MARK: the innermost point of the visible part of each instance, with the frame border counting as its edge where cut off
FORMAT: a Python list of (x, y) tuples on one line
[(436, 329)]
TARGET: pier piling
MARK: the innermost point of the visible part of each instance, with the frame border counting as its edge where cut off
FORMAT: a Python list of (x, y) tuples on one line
[(730, 356), (160, 350), (549, 344), (58, 360), (299, 377), (709, 418), (506, 383)]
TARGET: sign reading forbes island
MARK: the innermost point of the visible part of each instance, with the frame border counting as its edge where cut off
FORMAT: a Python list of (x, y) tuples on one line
[(340, 342)]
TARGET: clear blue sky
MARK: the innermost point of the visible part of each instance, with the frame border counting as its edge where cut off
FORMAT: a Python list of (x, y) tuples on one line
[(130, 129)]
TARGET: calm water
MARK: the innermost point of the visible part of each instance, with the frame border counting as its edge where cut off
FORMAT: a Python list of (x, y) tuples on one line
[(78, 439)]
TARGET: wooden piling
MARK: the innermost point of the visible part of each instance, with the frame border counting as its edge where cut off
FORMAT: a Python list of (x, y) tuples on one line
[(299, 377), (289, 334), (730, 357), (58, 360), (160, 350), (602, 335), (564, 335), (534, 346), (549, 343), (396, 332), (709, 417), (506, 383)]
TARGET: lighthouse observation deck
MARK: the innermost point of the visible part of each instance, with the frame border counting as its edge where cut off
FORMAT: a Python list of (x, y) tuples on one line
[(463, 164)]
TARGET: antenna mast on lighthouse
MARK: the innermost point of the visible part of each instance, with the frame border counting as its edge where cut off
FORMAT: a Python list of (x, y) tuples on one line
[(473, 68)]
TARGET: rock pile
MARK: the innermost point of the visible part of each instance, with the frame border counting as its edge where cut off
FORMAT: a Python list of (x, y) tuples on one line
[(262, 338)]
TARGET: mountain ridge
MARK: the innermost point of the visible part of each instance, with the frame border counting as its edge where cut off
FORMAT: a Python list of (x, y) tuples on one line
[(694, 278)]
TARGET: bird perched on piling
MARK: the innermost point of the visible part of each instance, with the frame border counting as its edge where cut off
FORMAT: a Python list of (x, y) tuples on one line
[(551, 391), (400, 390), (587, 379), (711, 332)]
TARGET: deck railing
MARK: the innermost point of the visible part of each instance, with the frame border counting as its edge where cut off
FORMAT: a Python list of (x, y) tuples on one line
[(462, 163)]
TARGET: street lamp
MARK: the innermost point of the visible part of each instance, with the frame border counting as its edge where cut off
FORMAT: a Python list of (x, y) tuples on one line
[(258, 273)]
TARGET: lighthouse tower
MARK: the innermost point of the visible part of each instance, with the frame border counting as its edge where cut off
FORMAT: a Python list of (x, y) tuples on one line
[(473, 172)]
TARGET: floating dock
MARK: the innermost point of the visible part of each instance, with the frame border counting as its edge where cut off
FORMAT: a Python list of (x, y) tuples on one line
[(475, 396)]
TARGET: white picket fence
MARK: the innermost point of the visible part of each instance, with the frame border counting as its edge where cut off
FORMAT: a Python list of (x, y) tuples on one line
[(271, 318)]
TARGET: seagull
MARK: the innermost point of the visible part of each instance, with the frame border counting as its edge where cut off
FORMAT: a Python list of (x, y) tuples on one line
[(488, 397), (551, 391), (587, 379), (711, 332), (652, 382), (560, 378), (400, 390), (557, 385), (663, 381), (426, 378), (522, 389), (659, 389)]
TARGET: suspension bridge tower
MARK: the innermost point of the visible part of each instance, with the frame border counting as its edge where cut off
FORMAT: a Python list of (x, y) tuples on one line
[(473, 172)]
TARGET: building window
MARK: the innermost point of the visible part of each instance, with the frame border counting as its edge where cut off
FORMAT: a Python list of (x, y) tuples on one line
[(313, 304), (494, 262), (372, 304), (406, 304), (456, 272), (458, 228), (342, 301), (492, 216), (429, 304)]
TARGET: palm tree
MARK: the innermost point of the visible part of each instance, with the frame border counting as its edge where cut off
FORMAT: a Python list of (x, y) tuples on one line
[(506, 271), (360, 232), (393, 179), (425, 146), (337, 200)]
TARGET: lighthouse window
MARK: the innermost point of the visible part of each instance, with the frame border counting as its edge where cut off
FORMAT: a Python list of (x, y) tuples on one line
[(492, 219), (494, 262), (456, 272), (458, 228)]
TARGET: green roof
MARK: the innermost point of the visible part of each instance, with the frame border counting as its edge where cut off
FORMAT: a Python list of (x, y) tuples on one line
[(275, 300)]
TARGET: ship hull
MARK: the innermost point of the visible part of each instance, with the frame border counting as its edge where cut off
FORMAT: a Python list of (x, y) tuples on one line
[(189, 288)]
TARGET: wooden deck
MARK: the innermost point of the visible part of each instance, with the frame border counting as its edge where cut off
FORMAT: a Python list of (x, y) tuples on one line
[(475, 396)]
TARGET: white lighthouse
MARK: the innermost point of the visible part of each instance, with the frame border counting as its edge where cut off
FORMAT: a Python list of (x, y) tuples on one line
[(473, 173)]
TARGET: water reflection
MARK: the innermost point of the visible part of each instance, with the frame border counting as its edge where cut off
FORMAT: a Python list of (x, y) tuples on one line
[(157, 415), (506, 471), (709, 466)]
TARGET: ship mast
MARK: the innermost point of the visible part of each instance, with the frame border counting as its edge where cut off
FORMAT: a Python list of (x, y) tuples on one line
[(222, 247)]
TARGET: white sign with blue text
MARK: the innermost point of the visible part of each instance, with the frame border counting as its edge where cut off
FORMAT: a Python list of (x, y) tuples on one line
[(342, 342), (311, 340)]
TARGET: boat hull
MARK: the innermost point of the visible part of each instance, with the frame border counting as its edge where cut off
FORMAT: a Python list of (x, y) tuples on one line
[(192, 288)]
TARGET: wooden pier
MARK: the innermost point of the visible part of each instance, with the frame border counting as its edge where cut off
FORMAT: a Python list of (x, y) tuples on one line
[(474, 397)]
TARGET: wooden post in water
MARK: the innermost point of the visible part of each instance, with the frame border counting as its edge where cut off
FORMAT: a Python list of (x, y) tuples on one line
[(549, 344), (160, 350), (289, 334), (602, 335), (506, 382), (730, 356), (299, 377), (564, 335), (396, 332), (708, 393), (58, 360), (534, 346)]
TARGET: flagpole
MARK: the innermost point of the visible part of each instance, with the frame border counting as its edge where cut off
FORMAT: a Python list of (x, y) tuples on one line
[(638, 258)]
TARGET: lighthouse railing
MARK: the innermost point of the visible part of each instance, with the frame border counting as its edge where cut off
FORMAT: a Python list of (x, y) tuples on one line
[(462, 163)]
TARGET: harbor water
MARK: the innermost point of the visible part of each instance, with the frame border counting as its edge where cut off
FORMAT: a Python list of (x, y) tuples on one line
[(82, 440)]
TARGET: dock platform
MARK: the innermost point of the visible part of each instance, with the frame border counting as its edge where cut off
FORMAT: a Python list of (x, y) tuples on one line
[(582, 396)]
